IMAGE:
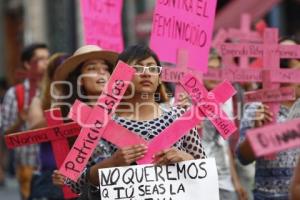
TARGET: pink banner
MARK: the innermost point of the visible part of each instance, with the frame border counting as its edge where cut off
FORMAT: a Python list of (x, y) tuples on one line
[(102, 23), (271, 95), (208, 105), (183, 25), (275, 138), (96, 122)]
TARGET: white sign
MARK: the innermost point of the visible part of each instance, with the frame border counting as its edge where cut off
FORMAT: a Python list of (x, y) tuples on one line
[(192, 180)]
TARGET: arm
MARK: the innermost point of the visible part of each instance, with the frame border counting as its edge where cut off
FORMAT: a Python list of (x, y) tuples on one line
[(262, 116), (235, 179), (295, 185), (122, 157)]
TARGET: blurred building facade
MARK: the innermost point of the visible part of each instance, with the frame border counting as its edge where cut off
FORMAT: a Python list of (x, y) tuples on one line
[(58, 23)]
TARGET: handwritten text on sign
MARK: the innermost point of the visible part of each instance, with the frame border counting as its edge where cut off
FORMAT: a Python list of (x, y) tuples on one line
[(271, 95), (275, 138), (88, 138), (191, 180), (183, 24), (102, 23)]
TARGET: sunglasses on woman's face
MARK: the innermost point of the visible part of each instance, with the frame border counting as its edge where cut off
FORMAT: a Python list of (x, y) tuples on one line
[(153, 69)]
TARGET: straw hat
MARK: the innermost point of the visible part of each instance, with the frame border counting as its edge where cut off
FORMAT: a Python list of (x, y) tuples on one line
[(82, 54)]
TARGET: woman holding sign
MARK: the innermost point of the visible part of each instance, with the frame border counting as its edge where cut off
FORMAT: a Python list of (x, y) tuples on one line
[(145, 117), (272, 176)]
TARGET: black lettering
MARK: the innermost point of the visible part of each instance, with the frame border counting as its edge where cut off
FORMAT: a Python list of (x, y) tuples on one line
[(128, 176), (203, 169), (169, 172), (71, 166), (189, 170)]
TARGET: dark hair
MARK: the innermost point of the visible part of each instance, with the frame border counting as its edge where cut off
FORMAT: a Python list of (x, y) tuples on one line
[(139, 53), (73, 79), (284, 63), (28, 51)]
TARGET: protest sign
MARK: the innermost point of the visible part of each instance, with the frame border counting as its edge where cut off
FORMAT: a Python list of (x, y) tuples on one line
[(192, 180), (183, 25), (102, 23), (275, 138)]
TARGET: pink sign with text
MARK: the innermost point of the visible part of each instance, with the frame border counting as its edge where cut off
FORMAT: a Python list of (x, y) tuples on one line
[(103, 24), (271, 95), (209, 105), (184, 124), (183, 25), (275, 138), (114, 133), (96, 122)]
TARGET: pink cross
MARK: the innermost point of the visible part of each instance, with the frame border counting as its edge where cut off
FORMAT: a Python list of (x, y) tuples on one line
[(174, 75)]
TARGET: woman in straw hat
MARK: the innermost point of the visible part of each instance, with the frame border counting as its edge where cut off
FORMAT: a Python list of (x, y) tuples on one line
[(144, 117)]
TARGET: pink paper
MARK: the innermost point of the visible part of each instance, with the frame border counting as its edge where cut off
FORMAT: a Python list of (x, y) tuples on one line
[(41, 135), (275, 138), (102, 23), (275, 95), (208, 105), (96, 122), (183, 125), (285, 75), (173, 75), (114, 133), (241, 75), (172, 134), (183, 26), (240, 50), (60, 148), (219, 92)]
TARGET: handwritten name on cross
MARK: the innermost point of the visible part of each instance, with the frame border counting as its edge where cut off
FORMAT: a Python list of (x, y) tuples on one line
[(172, 75), (172, 133)]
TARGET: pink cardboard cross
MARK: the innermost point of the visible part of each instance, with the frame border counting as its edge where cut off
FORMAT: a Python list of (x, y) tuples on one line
[(181, 126), (56, 133), (172, 75), (96, 122), (60, 147), (275, 138)]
